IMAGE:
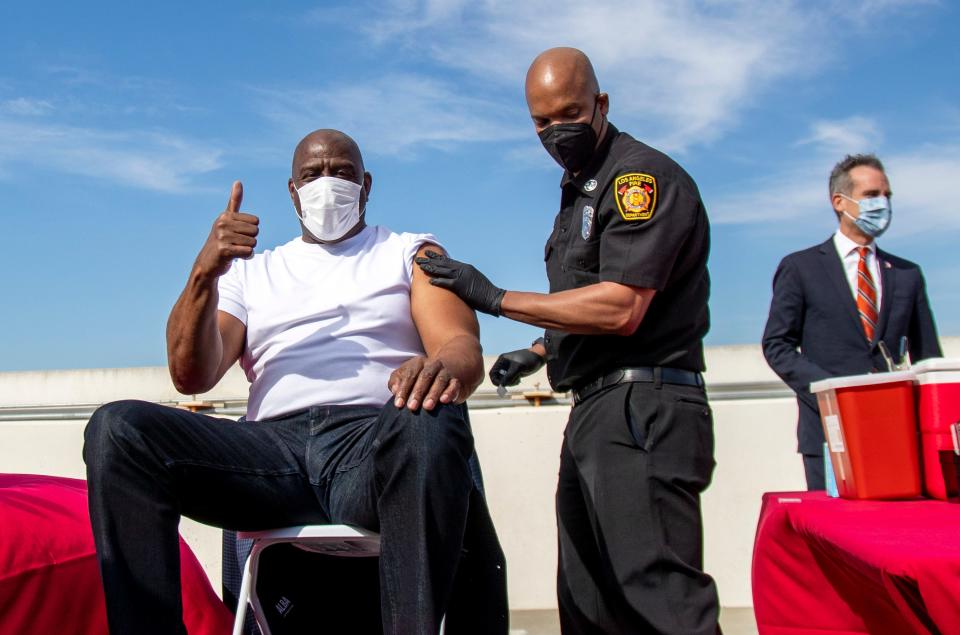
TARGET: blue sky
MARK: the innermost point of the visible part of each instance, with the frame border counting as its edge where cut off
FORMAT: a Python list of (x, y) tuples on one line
[(122, 127)]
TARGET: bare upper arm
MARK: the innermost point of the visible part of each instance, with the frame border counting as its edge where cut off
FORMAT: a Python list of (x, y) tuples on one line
[(438, 314), (233, 336)]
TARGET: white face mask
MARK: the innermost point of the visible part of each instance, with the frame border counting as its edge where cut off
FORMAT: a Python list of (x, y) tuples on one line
[(330, 206), (875, 214)]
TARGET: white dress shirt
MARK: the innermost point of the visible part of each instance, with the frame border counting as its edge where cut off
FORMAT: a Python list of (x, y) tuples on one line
[(850, 256)]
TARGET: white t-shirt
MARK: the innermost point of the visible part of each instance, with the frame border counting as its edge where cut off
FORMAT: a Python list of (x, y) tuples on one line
[(326, 324), (850, 255)]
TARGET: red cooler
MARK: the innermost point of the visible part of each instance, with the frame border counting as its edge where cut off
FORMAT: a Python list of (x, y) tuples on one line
[(938, 406), (870, 425)]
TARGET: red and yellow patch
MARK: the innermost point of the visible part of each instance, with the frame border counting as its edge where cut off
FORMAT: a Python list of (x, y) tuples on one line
[(636, 196)]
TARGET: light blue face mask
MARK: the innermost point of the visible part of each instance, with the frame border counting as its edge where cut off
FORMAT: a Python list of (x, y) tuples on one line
[(875, 214)]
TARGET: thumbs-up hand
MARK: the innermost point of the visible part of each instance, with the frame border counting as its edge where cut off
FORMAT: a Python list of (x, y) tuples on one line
[(234, 235)]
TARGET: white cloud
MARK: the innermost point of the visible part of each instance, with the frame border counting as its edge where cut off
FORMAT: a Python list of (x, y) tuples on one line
[(924, 188), (25, 106), (92, 93), (41, 132), (399, 17), (845, 136), (922, 179), (863, 13), (136, 158), (798, 192), (680, 73), (395, 114)]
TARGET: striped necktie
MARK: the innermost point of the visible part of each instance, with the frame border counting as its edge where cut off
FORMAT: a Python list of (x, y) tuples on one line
[(866, 296)]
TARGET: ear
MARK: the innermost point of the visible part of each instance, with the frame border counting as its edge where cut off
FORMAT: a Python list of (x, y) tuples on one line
[(603, 103), (367, 183), (838, 203), (293, 194)]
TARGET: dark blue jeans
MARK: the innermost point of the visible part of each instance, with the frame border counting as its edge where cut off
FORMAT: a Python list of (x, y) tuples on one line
[(402, 474)]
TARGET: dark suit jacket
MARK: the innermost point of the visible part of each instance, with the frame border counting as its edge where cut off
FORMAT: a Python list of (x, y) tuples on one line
[(814, 330)]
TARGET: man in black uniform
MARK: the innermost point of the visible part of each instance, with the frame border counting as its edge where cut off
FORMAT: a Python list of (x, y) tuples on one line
[(624, 320)]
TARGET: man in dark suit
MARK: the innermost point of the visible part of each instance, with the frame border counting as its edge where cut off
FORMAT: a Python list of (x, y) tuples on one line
[(834, 303)]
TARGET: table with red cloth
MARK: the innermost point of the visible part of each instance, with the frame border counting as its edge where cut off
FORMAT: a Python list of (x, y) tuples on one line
[(827, 565), (49, 579)]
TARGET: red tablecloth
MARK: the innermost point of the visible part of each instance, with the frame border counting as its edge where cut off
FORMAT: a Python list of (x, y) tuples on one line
[(49, 580), (823, 565)]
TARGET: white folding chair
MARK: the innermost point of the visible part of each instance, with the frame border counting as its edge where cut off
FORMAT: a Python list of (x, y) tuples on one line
[(335, 540)]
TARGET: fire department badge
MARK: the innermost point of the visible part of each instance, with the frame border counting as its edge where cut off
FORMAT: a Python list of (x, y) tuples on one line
[(587, 225), (636, 196)]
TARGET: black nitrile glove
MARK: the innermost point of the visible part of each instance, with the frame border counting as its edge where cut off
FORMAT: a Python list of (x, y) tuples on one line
[(472, 286), (510, 367)]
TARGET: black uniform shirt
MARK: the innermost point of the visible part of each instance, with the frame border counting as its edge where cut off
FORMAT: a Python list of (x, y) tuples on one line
[(632, 216)]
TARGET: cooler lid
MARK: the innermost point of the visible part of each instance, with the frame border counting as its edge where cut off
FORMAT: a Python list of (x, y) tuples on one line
[(935, 364), (870, 379)]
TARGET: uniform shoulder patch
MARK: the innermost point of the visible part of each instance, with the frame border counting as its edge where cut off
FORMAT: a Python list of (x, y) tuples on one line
[(636, 196)]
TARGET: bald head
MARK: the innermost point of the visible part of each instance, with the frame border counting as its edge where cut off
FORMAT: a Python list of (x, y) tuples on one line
[(562, 89), (562, 69), (327, 145)]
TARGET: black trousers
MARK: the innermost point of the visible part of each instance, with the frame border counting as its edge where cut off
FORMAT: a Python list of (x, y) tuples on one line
[(402, 474), (635, 459)]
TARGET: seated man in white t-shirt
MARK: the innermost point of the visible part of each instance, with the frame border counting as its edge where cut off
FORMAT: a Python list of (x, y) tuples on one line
[(356, 364)]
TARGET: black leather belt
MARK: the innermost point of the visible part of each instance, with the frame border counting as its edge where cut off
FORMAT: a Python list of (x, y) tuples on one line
[(643, 374)]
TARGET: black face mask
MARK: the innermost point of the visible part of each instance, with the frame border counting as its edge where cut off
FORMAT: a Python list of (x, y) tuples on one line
[(571, 144)]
